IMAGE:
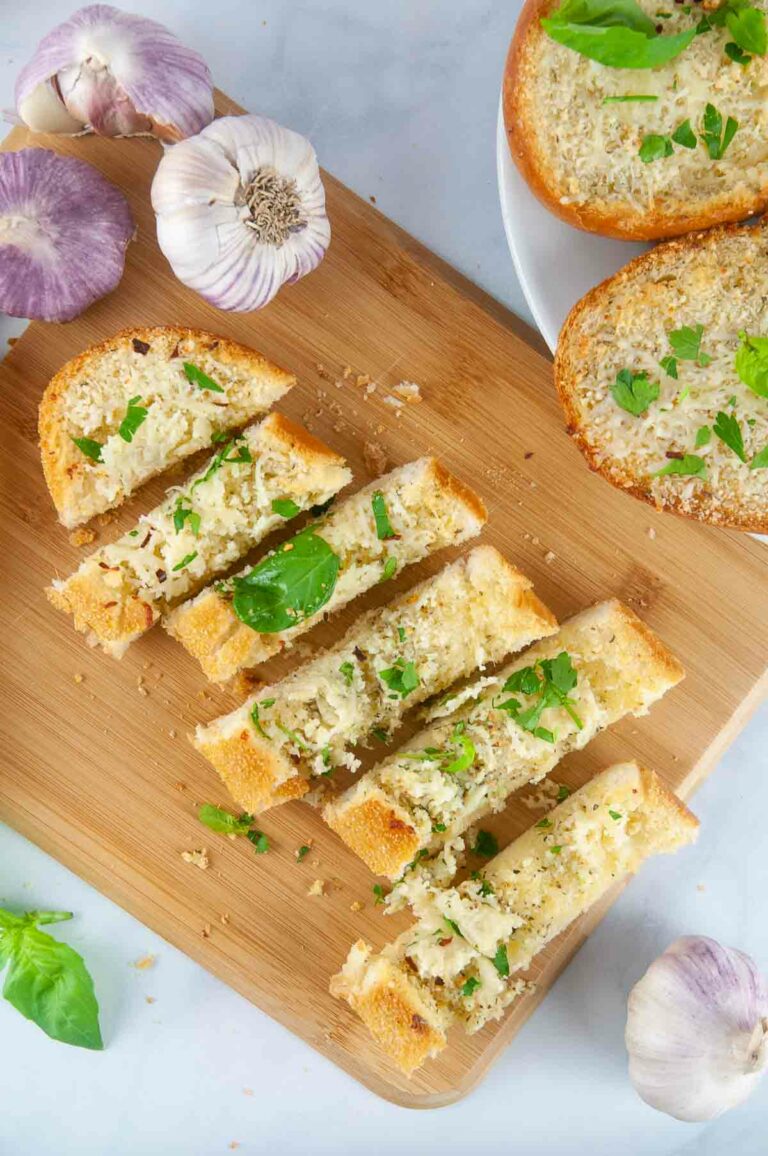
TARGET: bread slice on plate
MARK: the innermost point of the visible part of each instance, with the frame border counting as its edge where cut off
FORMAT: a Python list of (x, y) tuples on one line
[(474, 611), (198, 530), (470, 760), (687, 155), (663, 375), (139, 402), (393, 522), (462, 960)]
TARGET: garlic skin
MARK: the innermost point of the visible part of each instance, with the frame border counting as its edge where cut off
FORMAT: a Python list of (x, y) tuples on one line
[(697, 1030), (64, 230), (241, 210), (111, 73)]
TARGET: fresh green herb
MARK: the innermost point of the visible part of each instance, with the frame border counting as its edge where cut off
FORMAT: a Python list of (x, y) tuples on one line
[(616, 33), (614, 814), (325, 755), (322, 507), (470, 986), (637, 98), (402, 678), (654, 147), (563, 792), (90, 448), (133, 533), (760, 461), (384, 529), (293, 736), (347, 671), (438, 828), (715, 137), (500, 960), (634, 392), (543, 823), (689, 465), (727, 428), (684, 135), (380, 734), (47, 981), (185, 561), (302, 852), (703, 437), (465, 759), (485, 887), (486, 845), (454, 926), (682, 395), (669, 365), (288, 586), (135, 415), (256, 716), (751, 363), (223, 458), (401, 633), (200, 379), (390, 569), (379, 894), (224, 822), (285, 507), (745, 23), (686, 344), (221, 435), (552, 685), (259, 840), (183, 514), (556, 849), (736, 54)]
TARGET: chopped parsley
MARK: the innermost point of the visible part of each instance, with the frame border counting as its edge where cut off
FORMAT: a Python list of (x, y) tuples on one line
[(638, 98), (654, 147), (760, 460), (703, 436), (380, 734), (223, 458), (438, 828), (751, 363), (543, 823), (401, 633), (470, 986), (486, 845), (200, 379), (614, 814), (563, 792), (390, 569), (634, 392), (686, 344), (551, 680), (689, 465), (501, 960), (135, 416), (285, 507), (684, 135), (384, 529), (736, 54), (259, 840), (485, 887), (402, 678), (379, 894), (727, 428), (347, 671), (454, 926), (92, 449), (293, 737), (717, 138), (183, 514), (556, 849), (264, 704), (224, 822), (302, 852), (185, 561), (669, 365)]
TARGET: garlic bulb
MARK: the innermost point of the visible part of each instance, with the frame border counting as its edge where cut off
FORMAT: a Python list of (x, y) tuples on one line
[(64, 230), (115, 74), (697, 1029), (241, 210)]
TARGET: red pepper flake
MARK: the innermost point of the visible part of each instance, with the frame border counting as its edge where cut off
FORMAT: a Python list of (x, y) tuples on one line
[(140, 346), (419, 1024), (676, 455), (108, 605)]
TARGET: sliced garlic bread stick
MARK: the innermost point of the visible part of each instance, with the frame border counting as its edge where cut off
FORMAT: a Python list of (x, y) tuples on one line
[(397, 520), (473, 612), (461, 961), (198, 530), (509, 730), (135, 404)]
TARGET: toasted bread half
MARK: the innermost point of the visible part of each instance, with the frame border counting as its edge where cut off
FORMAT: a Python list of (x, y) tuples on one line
[(581, 156), (717, 281), (89, 398)]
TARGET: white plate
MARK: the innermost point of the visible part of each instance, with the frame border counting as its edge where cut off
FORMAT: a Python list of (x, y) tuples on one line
[(555, 263)]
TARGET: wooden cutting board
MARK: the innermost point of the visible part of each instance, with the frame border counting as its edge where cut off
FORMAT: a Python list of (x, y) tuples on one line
[(99, 772)]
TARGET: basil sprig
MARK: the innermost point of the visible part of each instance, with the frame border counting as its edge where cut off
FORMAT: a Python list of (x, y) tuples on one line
[(616, 33), (289, 586), (47, 981)]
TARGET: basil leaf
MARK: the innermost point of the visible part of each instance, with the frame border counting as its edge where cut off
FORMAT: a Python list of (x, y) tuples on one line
[(200, 379), (289, 586), (715, 137), (616, 33), (760, 461), (501, 960), (48, 982), (751, 363), (684, 135), (686, 344), (634, 392), (654, 148), (669, 365), (384, 529), (223, 822), (285, 507), (135, 416), (486, 845), (629, 98), (728, 430), (690, 465), (89, 447)]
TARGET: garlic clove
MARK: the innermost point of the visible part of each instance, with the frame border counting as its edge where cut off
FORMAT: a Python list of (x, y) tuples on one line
[(241, 211), (114, 74), (64, 230), (697, 1030)]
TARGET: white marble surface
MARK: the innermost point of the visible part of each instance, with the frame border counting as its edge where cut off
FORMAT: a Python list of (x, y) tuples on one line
[(400, 100)]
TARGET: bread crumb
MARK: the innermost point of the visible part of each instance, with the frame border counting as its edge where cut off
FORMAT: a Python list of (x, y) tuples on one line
[(180, 786), (408, 391), (206, 932), (371, 198), (317, 888), (82, 537), (356, 906), (247, 1091), (172, 733), (105, 519), (144, 962), (363, 379), (393, 402), (79, 678), (700, 887), (234, 1144), (150, 999), (550, 557), (198, 857), (374, 459), (651, 533)]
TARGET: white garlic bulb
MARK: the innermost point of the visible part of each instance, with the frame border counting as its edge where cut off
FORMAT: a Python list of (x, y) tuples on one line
[(697, 1029), (241, 210)]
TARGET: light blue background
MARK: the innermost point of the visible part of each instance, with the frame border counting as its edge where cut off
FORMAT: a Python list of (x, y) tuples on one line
[(400, 100)]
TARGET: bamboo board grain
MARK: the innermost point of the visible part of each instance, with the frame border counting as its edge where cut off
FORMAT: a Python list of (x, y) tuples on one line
[(90, 770)]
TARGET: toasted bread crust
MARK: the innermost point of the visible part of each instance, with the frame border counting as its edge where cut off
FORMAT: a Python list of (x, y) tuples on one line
[(662, 798), (300, 440), (61, 461), (255, 773), (453, 486), (113, 623), (380, 833), (625, 222), (700, 505)]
